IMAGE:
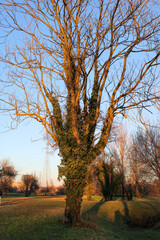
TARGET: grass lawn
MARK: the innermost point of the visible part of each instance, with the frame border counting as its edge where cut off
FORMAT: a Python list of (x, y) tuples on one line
[(40, 218)]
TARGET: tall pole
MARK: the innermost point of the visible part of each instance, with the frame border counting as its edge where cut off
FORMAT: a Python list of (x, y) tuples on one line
[(46, 165), (0, 179)]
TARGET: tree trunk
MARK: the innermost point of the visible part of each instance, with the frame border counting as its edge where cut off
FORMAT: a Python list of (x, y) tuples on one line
[(128, 192), (26, 192), (1, 193), (75, 171), (138, 194), (74, 192), (123, 193)]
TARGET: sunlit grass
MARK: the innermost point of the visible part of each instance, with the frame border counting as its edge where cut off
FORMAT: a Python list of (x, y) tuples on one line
[(41, 218)]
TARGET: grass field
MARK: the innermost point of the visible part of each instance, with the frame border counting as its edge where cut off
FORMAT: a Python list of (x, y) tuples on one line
[(40, 218)]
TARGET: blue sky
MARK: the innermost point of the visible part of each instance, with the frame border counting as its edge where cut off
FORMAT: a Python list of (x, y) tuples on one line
[(27, 155)]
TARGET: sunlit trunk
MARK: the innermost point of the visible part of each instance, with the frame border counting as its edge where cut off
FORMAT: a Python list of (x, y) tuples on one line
[(75, 182), (138, 194), (74, 192)]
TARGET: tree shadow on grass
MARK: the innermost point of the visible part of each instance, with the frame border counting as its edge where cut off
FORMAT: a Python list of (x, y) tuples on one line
[(150, 205), (90, 216), (6, 204), (119, 218), (100, 222), (94, 209)]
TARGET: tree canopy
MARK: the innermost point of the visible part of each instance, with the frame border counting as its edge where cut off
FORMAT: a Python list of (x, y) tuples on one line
[(74, 66)]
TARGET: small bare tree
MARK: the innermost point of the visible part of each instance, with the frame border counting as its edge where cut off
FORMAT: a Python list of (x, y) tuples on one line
[(7, 176), (147, 148), (75, 65), (119, 155), (30, 184), (138, 171)]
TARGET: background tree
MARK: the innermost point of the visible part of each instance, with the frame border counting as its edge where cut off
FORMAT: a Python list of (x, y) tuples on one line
[(137, 169), (7, 176), (119, 155), (75, 65), (108, 178), (104, 173), (147, 151), (61, 190), (30, 184)]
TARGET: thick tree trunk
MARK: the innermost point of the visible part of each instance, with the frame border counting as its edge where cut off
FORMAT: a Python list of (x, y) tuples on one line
[(72, 213), (74, 192), (75, 171)]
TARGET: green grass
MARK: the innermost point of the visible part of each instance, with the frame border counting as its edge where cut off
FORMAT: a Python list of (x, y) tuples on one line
[(40, 218), (13, 195)]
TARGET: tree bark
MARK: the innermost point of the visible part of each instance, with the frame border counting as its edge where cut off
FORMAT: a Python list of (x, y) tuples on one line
[(75, 180), (74, 192)]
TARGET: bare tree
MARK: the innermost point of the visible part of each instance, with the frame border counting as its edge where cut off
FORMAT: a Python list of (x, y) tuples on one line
[(30, 184), (75, 65), (119, 155), (138, 171), (7, 176), (147, 148)]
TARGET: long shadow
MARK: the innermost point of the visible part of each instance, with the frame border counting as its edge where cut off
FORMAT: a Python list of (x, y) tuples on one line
[(95, 208), (123, 218), (149, 204), (126, 212), (91, 214), (4, 204)]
